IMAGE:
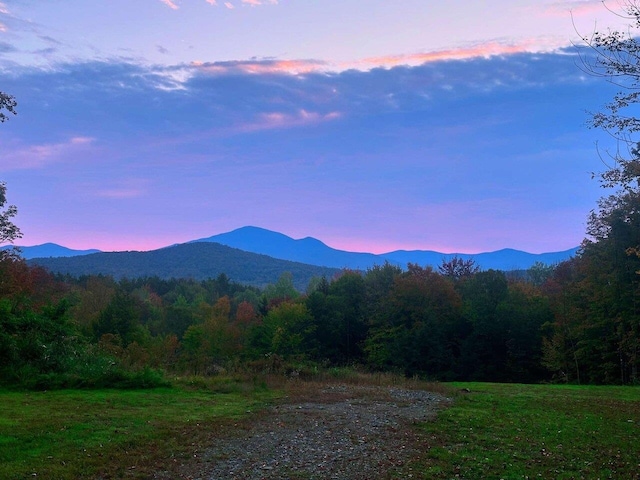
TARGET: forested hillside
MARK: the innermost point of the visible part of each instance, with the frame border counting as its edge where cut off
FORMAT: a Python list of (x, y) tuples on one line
[(199, 261)]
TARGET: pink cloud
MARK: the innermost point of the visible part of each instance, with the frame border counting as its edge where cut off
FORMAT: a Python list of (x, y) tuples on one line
[(301, 67), (212, 2), (169, 3), (295, 67), (39, 156), (485, 50), (229, 5)]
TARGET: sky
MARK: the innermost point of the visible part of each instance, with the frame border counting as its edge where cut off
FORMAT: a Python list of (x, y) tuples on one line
[(457, 126)]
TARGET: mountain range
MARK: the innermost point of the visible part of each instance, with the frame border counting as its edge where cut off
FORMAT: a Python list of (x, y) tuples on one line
[(312, 251), (255, 255)]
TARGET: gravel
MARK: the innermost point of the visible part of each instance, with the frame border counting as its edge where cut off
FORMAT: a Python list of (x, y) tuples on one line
[(343, 432)]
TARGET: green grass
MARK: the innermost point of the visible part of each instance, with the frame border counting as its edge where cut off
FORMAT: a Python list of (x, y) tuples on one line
[(501, 431), (71, 434), (495, 431)]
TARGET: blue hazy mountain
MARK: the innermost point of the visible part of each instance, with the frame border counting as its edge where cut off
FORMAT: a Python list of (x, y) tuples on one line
[(506, 259), (306, 250), (47, 250), (313, 252)]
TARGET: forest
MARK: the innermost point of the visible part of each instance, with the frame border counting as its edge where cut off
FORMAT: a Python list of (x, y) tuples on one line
[(575, 322)]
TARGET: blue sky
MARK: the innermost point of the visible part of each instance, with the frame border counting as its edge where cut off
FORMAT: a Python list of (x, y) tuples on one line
[(374, 126)]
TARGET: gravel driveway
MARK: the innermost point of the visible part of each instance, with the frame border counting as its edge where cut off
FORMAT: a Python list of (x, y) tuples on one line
[(342, 432)]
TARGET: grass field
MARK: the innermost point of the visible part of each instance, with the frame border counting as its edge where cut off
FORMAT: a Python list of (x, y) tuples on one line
[(71, 434), (501, 431), (493, 431)]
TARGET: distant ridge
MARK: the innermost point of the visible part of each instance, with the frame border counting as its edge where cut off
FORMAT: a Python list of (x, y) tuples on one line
[(312, 251), (506, 259), (49, 250), (199, 261)]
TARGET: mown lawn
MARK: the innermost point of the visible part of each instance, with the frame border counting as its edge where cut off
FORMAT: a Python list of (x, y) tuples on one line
[(501, 431), (73, 434)]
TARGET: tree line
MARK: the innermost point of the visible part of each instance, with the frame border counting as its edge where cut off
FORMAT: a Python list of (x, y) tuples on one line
[(444, 324)]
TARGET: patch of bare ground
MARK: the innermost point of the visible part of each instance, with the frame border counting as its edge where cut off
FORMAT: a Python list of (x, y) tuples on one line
[(322, 431)]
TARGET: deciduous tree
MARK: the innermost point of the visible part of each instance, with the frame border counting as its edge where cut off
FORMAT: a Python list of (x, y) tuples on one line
[(8, 230), (458, 268), (287, 330), (418, 326), (615, 56), (8, 104)]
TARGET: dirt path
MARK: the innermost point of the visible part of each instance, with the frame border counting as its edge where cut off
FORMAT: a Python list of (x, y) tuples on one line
[(339, 432)]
